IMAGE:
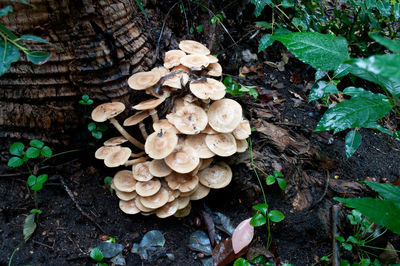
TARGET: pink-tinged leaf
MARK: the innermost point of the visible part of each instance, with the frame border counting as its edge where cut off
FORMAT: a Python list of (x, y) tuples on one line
[(242, 236)]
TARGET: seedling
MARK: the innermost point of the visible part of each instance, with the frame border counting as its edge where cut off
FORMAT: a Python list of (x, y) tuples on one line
[(234, 88), (97, 129), (86, 100), (216, 19), (107, 182), (276, 177), (97, 255)]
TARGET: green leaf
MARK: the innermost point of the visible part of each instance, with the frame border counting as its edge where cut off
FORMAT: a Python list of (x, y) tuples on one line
[(340, 239), (199, 28), (260, 5), (38, 57), (392, 45), (34, 38), (42, 179), (263, 24), (341, 71), (321, 51), (319, 74), (32, 152), (265, 42), (96, 254), (5, 10), (35, 211), (29, 226), (270, 180), (31, 180), (356, 112), (385, 190), (352, 142), (344, 263), (8, 54), (276, 216), (92, 126), (384, 7), (258, 220), (347, 246), (107, 180), (102, 127), (382, 212), (396, 10), (140, 5), (97, 134), (37, 187), (241, 262), (263, 208), (46, 151), (281, 183), (7, 32), (370, 4), (15, 162), (321, 89), (278, 174), (17, 148), (36, 143)]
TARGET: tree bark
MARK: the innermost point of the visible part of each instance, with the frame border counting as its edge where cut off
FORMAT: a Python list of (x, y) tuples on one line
[(99, 44)]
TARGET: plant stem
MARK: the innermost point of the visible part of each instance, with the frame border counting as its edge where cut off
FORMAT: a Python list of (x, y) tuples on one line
[(61, 153), (13, 253)]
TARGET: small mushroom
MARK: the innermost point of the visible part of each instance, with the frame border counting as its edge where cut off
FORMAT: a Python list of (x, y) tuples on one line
[(137, 160), (159, 168), (143, 80), (205, 163), (183, 159), (149, 104), (198, 143), (217, 176), (241, 145), (102, 152), (138, 119), (117, 158), (128, 207), (195, 62), (184, 212), (148, 188), (141, 207), (221, 144), (115, 141), (157, 200), (141, 172), (209, 89), (224, 115), (172, 58), (189, 119), (161, 70), (212, 59), (164, 125), (243, 130), (209, 130), (193, 47), (184, 183), (125, 195), (189, 193), (123, 181), (177, 79), (160, 144), (183, 202), (201, 192), (168, 209), (214, 69)]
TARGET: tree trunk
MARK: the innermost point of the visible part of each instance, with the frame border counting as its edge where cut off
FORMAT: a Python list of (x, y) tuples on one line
[(99, 44)]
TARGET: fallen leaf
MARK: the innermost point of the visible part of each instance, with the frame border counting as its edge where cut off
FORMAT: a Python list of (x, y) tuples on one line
[(242, 235), (200, 242), (223, 253)]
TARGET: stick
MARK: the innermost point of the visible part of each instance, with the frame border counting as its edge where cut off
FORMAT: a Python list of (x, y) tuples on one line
[(325, 190)]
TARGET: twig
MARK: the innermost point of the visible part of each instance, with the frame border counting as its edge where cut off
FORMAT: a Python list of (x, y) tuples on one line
[(71, 195), (335, 248), (42, 244), (325, 190)]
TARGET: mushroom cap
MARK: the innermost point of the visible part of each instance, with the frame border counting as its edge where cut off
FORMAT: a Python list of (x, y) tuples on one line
[(164, 125), (168, 209), (125, 195), (183, 160), (117, 158), (209, 130), (143, 80), (161, 70), (205, 163), (243, 130), (198, 143), (115, 141), (184, 212), (195, 61), (214, 69), (157, 200), (211, 89), (172, 58), (141, 207), (102, 152), (106, 111), (201, 192), (212, 59), (159, 168), (148, 188), (149, 104), (188, 194), (185, 183), (193, 47), (160, 144), (177, 80), (224, 115), (136, 118), (141, 172), (189, 119), (123, 181), (128, 207), (183, 202), (241, 145), (222, 144), (217, 176), (181, 67)]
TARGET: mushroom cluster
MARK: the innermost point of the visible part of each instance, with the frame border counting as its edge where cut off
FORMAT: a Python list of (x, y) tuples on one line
[(180, 160)]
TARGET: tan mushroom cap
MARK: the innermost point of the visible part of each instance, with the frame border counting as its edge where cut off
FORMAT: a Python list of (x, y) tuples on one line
[(184, 212), (201, 192), (222, 144), (243, 130), (141, 207), (161, 70), (205, 163), (117, 158), (195, 61), (128, 207), (173, 194), (198, 143), (143, 80), (184, 183), (183, 160), (177, 80), (182, 68), (189, 119), (241, 145), (217, 176), (214, 69), (211, 89), (212, 59), (168, 209), (136, 118), (148, 188), (157, 200), (164, 125), (209, 130), (149, 104), (159, 168), (106, 111), (123, 181), (141, 172), (125, 195), (183, 202), (193, 47), (160, 144), (102, 152), (224, 115), (172, 58), (115, 141), (188, 194)]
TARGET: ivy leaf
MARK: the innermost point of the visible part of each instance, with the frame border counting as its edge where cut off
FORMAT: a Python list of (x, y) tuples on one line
[(260, 5), (96, 254), (32, 152), (321, 51), (392, 45), (31, 180), (36, 143), (265, 42), (29, 226), (263, 208), (352, 142), (38, 57), (34, 38), (15, 162), (276, 216), (8, 54), (321, 89), (17, 148), (258, 220), (281, 183), (5, 10)]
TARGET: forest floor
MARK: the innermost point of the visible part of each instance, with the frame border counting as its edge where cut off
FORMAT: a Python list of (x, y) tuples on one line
[(314, 166)]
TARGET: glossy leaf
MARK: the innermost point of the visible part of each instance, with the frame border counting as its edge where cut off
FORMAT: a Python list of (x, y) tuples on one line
[(7, 32), (92, 126), (321, 89), (32, 152), (5, 10), (8, 54), (17, 148), (46, 151), (276, 216), (29, 226), (258, 220), (385, 190), (242, 236), (265, 42), (281, 183), (36, 143), (384, 7), (352, 142), (341, 71), (321, 51), (31, 180), (263, 208), (34, 38), (270, 180), (15, 162), (38, 57), (96, 254), (263, 24), (260, 5), (241, 262), (392, 45), (42, 178)]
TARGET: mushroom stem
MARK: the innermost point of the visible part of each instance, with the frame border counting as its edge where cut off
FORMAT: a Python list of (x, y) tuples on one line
[(143, 130), (136, 155), (154, 115), (124, 133), (136, 161)]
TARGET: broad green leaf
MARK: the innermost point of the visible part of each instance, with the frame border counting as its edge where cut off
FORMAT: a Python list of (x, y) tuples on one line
[(281, 183), (29, 226), (340, 239), (341, 71), (36, 143), (5, 10), (344, 263), (321, 89), (17, 148), (46, 151), (321, 51), (258, 220), (392, 45), (276, 216), (34, 38), (265, 42), (241, 262), (32, 152), (384, 7), (287, 3), (38, 57), (278, 174), (96, 254), (35, 211), (31, 180), (356, 112), (382, 212), (260, 5), (264, 24), (15, 162), (347, 246), (319, 74), (7, 32), (352, 142), (370, 4), (263, 208), (8, 54), (42, 179), (270, 180), (385, 190), (37, 187), (396, 10), (358, 92)]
